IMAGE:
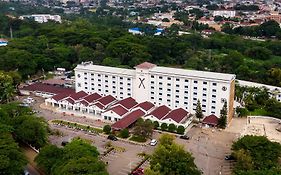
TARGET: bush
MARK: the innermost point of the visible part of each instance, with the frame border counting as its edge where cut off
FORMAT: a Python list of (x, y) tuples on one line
[(172, 127), (124, 133), (180, 130), (164, 126), (138, 139), (148, 121), (156, 124), (107, 129)]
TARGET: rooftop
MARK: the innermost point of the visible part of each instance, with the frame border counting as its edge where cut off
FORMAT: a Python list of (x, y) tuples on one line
[(78, 95), (127, 120), (128, 103), (145, 65), (145, 105), (92, 97), (118, 110), (106, 100), (211, 120), (177, 115), (40, 87), (160, 112)]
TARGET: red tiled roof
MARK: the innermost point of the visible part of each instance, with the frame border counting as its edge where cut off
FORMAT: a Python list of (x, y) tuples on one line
[(78, 95), (177, 115), (99, 105), (60, 96), (84, 102), (127, 120), (145, 105), (160, 112), (128, 103), (118, 110), (70, 100), (211, 120), (106, 100), (92, 97), (40, 87), (145, 65)]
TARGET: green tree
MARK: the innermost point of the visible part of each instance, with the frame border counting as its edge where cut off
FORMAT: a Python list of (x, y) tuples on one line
[(31, 129), (172, 127), (124, 133), (143, 129), (164, 126), (257, 153), (7, 89), (156, 124), (107, 129), (198, 111), (223, 116), (170, 158), (180, 130), (12, 160), (242, 112)]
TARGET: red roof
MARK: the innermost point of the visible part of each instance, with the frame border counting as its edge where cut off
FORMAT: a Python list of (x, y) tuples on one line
[(160, 112), (177, 115), (40, 87), (118, 110), (60, 96), (127, 120), (106, 100), (211, 120), (99, 105), (70, 100), (92, 97), (145, 105), (145, 65), (128, 103), (84, 102), (78, 95)]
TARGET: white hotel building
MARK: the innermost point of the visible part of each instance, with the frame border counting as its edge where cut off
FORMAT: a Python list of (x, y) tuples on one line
[(175, 88)]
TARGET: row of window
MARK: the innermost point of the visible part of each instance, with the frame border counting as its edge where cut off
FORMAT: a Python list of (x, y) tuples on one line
[(186, 81), (105, 76)]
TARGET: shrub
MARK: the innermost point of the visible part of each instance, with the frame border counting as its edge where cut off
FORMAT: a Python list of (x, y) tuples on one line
[(156, 124), (124, 133), (164, 126), (107, 129), (180, 130), (138, 138), (172, 127)]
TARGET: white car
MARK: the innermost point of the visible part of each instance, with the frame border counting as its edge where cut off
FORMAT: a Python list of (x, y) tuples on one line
[(153, 142)]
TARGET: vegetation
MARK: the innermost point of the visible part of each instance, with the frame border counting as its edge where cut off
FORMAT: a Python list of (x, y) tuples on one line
[(170, 158), (172, 127), (223, 116), (78, 126), (180, 130), (164, 126), (106, 129), (137, 138), (198, 111), (256, 155), (156, 124), (124, 133), (77, 157), (143, 129)]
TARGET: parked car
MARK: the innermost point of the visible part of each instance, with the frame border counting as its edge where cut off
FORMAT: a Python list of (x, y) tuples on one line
[(139, 171), (229, 157), (112, 137), (185, 137), (153, 142)]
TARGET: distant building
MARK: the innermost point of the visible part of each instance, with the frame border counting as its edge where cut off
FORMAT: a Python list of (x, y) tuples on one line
[(42, 18), (135, 31), (3, 42), (225, 13)]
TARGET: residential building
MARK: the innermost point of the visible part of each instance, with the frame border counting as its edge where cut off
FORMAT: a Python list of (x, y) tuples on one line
[(175, 88), (42, 18), (225, 13)]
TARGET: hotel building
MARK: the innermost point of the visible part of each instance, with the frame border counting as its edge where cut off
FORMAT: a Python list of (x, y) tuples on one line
[(173, 87)]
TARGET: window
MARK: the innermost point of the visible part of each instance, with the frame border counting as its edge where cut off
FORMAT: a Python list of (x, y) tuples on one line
[(204, 95), (113, 82), (214, 84), (99, 85), (204, 106), (195, 82), (214, 90), (169, 78), (160, 99), (203, 110), (185, 103), (109, 118), (169, 90), (204, 89), (185, 98), (186, 87), (86, 87), (121, 78), (204, 100), (86, 83), (85, 73), (204, 82), (168, 100), (85, 78), (99, 80), (186, 81), (129, 94), (78, 75), (160, 89), (114, 87), (99, 90), (113, 77), (106, 90), (92, 79), (152, 93), (194, 93), (177, 85), (177, 96), (152, 98), (177, 102), (106, 76), (160, 93), (152, 76), (152, 87), (106, 86), (121, 83), (213, 112), (121, 93), (113, 92), (129, 79), (213, 101), (160, 77), (178, 91), (93, 89), (169, 84), (129, 89), (213, 107), (195, 99), (106, 81), (214, 96), (152, 82), (92, 74), (99, 75), (177, 79), (128, 84), (168, 95), (195, 88), (121, 88), (160, 83), (186, 92)]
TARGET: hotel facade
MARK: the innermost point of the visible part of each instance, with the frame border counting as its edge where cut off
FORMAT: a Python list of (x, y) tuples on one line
[(173, 87)]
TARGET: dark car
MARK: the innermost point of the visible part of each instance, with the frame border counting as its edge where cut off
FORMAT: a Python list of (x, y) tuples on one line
[(185, 137), (229, 157), (112, 137)]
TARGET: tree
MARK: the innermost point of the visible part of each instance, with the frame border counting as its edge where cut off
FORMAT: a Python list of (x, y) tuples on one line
[(31, 129), (170, 158), (165, 20), (172, 127), (198, 112), (180, 130), (143, 129), (258, 53), (223, 116), (7, 89), (256, 153), (156, 124), (124, 133), (12, 160), (107, 129), (242, 112), (164, 126)]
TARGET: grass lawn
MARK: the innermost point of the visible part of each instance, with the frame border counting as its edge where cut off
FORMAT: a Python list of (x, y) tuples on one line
[(258, 112)]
